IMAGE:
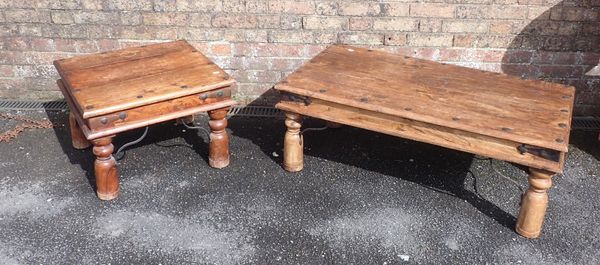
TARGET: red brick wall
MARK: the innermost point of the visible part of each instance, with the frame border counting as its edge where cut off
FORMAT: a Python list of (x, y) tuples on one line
[(261, 41)]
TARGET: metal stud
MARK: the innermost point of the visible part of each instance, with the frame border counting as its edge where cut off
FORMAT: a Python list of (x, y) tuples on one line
[(506, 129), (562, 125), (220, 93), (184, 86), (364, 100), (140, 96), (89, 107), (103, 120), (564, 110), (203, 96), (455, 118), (558, 140), (122, 115), (566, 97), (408, 109), (322, 90)]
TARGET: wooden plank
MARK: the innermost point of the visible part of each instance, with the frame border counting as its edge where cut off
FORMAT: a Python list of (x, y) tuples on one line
[(108, 82), (146, 90), (122, 55), (164, 111), (420, 131), (531, 112)]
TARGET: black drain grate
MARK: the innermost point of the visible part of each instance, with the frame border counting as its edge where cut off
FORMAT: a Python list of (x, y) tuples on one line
[(579, 123), (33, 105), (243, 111), (586, 123)]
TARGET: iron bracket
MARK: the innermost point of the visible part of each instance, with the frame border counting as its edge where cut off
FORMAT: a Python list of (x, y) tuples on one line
[(545, 153)]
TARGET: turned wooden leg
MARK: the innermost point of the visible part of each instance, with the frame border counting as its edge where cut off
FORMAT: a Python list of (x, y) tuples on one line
[(218, 149), (105, 167), (293, 146), (534, 203), (77, 137)]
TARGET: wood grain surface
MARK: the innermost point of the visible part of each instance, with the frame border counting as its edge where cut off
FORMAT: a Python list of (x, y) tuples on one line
[(420, 131), (505, 107), (109, 82)]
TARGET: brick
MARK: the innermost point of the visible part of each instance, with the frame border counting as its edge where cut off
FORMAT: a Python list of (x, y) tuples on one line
[(491, 12), (107, 45), (42, 45), (396, 9), (253, 63), (430, 40), (200, 6), (234, 6), (359, 9), (430, 25), (326, 8), (397, 24), (130, 18), (361, 38), (360, 23), (291, 22), (329, 23), (96, 17), (6, 71), (291, 7), (62, 17), (142, 5), (198, 20), (170, 18), (269, 21), (30, 30), (285, 64), (574, 14), (27, 16), (64, 31), (165, 5), (91, 4), (257, 6), (538, 12), (464, 26), (323, 37), (395, 39), (291, 36), (432, 10), (220, 49), (518, 57), (235, 21), (65, 45)]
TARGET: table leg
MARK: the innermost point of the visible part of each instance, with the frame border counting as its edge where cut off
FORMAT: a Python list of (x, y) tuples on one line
[(293, 146), (218, 149), (105, 168), (77, 137), (534, 203)]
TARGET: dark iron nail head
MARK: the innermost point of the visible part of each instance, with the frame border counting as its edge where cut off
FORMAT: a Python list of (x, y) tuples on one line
[(558, 140), (455, 118), (89, 107), (408, 109), (203, 96), (122, 115), (219, 93), (184, 86), (562, 125), (505, 129), (140, 96), (103, 120), (322, 90)]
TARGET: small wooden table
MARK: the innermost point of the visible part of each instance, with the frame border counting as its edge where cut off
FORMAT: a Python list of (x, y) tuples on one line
[(484, 113), (118, 91)]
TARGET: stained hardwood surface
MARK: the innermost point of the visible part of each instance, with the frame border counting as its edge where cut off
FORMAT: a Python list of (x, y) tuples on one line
[(529, 112), (109, 82), (421, 131)]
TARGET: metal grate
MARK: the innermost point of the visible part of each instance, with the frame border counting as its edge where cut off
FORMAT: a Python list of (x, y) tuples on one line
[(586, 123), (243, 111), (33, 105), (255, 111), (579, 123)]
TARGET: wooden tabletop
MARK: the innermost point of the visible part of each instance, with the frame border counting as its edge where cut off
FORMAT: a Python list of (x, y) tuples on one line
[(525, 111), (132, 77)]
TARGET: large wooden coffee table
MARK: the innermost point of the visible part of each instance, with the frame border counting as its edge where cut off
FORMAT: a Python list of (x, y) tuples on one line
[(109, 93), (484, 113)]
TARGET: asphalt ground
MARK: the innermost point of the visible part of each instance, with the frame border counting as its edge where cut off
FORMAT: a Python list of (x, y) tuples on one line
[(362, 198)]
